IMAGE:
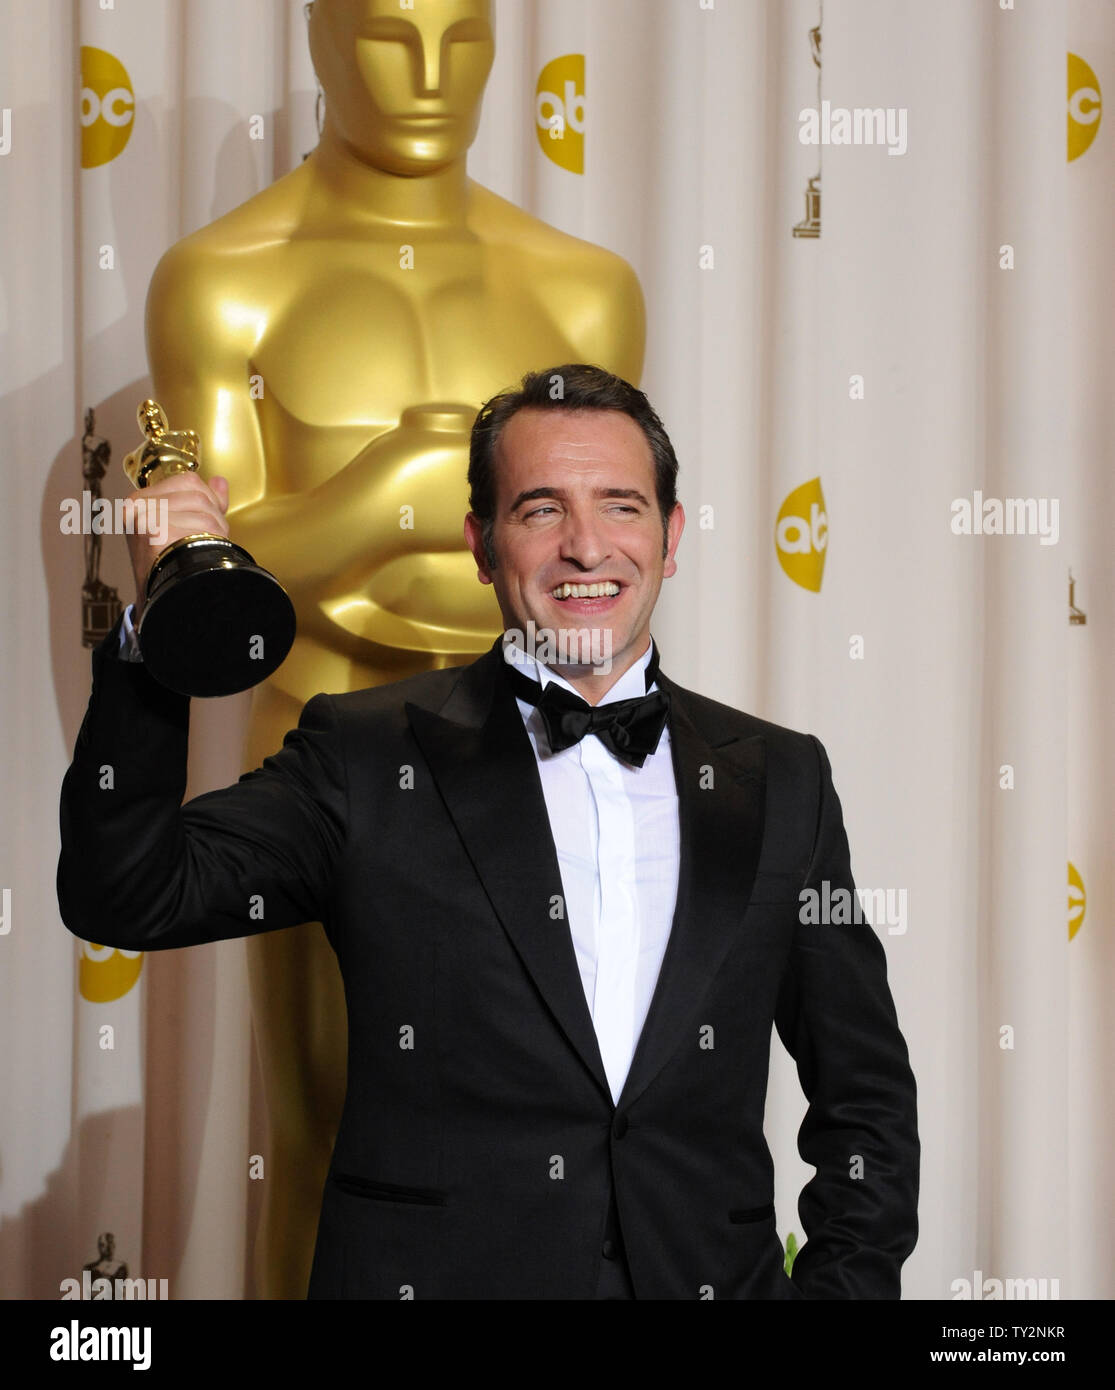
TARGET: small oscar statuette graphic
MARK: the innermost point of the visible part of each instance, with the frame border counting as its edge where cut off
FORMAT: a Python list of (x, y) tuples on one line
[(213, 621), (810, 226), (100, 603), (1077, 616)]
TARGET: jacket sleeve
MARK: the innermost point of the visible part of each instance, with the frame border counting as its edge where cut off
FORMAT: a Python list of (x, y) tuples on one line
[(836, 1017), (139, 870)]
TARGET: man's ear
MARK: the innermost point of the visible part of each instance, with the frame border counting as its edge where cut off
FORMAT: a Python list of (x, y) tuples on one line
[(474, 539), (674, 528)]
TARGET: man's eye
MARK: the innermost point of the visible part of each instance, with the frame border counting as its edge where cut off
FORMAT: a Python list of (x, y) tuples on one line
[(537, 511)]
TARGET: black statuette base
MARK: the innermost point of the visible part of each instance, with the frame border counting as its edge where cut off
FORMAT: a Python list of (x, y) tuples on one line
[(214, 622)]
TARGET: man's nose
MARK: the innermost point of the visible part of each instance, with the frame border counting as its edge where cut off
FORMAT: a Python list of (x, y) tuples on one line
[(582, 540)]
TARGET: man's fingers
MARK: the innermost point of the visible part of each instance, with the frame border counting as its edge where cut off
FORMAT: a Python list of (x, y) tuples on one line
[(189, 485), (177, 482), (160, 525), (220, 486), (188, 524), (179, 513)]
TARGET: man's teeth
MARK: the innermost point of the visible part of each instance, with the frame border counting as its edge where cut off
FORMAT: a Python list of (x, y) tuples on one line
[(605, 590)]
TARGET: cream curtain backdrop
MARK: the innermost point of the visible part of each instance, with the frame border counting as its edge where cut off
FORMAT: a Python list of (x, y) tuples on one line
[(943, 336)]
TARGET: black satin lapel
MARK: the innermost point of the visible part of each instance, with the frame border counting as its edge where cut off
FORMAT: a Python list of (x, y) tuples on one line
[(488, 777), (721, 826)]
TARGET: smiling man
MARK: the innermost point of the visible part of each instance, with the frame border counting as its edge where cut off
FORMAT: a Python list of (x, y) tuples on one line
[(584, 517), (565, 898)]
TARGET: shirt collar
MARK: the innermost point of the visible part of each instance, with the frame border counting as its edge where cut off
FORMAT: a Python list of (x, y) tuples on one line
[(630, 686)]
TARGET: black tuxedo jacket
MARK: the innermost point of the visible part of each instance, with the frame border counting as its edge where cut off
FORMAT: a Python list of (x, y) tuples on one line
[(479, 1141)]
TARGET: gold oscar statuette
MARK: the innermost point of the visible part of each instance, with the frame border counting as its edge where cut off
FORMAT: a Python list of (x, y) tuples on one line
[(213, 622), (348, 474)]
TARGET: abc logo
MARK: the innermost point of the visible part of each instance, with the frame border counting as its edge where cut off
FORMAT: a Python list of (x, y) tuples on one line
[(1077, 900), (1085, 106), (104, 973), (801, 535), (559, 111), (107, 107)]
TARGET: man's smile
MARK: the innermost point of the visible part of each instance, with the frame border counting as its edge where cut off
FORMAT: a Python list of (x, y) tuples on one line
[(593, 599), (604, 588)]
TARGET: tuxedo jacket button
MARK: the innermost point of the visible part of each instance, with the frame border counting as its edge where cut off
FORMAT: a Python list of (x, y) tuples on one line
[(609, 1249)]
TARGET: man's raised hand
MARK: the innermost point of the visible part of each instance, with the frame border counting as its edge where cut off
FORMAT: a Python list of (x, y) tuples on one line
[(192, 506)]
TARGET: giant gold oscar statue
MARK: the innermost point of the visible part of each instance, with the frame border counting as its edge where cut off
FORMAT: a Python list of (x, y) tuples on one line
[(331, 340)]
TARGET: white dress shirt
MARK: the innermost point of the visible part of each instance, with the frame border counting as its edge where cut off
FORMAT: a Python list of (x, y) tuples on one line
[(618, 844), (129, 641)]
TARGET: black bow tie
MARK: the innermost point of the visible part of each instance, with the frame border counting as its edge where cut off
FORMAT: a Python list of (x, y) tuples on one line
[(630, 729)]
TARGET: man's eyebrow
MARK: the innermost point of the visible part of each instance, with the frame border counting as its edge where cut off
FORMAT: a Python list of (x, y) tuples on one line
[(534, 493)]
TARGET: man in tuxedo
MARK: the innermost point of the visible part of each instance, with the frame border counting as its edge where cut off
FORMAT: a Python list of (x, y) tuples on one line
[(565, 896)]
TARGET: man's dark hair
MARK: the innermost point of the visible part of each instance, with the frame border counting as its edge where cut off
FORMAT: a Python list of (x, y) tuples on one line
[(576, 386)]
